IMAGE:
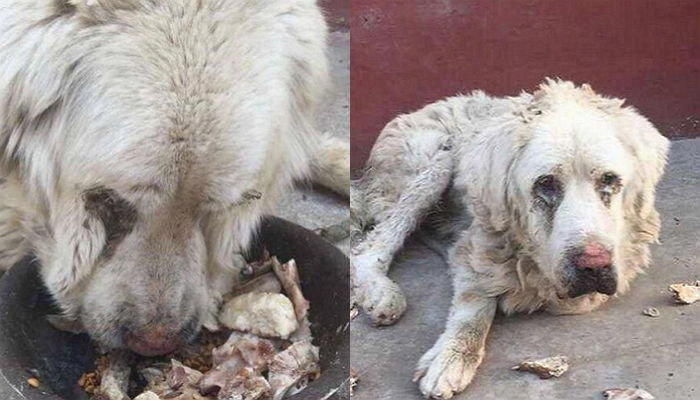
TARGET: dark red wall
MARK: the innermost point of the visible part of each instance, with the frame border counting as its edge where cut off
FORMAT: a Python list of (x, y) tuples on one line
[(411, 52)]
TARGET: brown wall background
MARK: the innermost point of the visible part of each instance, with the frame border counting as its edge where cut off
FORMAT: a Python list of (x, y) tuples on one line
[(411, 52)]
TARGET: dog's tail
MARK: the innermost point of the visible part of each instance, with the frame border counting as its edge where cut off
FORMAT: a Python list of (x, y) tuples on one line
[(330, 166)]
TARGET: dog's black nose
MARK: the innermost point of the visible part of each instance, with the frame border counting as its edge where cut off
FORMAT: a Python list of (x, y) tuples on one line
[(592, 271), (593, 280)]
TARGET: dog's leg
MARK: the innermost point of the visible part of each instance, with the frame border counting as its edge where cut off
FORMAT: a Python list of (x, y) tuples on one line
[(479, 275), (408, 171), (449, 366), (330, 167), (381, 297)]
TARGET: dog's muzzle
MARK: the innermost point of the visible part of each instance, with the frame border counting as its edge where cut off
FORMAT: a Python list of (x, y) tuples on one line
[(592, 271)]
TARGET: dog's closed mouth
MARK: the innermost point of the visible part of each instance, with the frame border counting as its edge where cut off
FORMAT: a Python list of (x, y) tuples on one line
[(587, 283)]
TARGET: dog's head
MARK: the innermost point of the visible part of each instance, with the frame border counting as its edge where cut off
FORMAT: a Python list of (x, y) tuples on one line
[(146, 144), (140, 235), (573, 180)]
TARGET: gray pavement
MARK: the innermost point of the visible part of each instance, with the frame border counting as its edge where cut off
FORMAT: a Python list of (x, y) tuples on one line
[(316, 208), (616, 346)]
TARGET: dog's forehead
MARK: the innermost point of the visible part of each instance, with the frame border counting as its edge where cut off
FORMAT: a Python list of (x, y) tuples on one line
[(151, 129), (577, 138), (149, 166)]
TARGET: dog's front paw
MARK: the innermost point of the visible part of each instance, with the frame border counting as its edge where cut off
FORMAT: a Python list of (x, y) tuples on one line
[(445, 370), (382, 299)]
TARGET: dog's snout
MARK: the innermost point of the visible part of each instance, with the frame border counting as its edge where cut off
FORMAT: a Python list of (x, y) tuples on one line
[(153, 340), (594, 256)]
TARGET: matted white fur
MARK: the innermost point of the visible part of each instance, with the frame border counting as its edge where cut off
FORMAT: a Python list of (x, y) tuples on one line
[(484, 155), (141, 141)]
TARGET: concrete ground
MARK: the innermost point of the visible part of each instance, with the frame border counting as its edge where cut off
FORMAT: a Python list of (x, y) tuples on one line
[(316, 208), (616, 346)]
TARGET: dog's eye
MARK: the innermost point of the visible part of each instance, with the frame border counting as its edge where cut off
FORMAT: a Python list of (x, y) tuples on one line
[(547, 186), (609, 179), (117, 215), (608, 185)]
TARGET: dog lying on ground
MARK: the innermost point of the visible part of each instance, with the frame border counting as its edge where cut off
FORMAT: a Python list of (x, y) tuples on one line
[(560, 185), (141, 142)]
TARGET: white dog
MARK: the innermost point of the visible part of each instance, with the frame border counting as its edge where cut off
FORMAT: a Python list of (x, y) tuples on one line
[(140, 143), (560, 185)]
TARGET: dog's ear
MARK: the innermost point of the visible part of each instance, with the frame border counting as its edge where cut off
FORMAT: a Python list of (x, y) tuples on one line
[(649, 150), (79, 239)]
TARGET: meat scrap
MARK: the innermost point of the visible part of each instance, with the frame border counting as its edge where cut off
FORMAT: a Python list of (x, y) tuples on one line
[(245, 385), (182, 383), (114, 383), (182, 376), (288, 275), (291, 370), (627, 394), (263, 314), (551, 367), (155, 376), (686, 294), (241, 354), (187, 393), (147, 396), (266, 283)]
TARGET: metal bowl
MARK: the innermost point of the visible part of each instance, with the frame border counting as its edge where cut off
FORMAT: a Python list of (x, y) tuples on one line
[(30, 346)]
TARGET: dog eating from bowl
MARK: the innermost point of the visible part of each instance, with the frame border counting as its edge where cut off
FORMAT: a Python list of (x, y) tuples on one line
[(141, 143), (560, 186)]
